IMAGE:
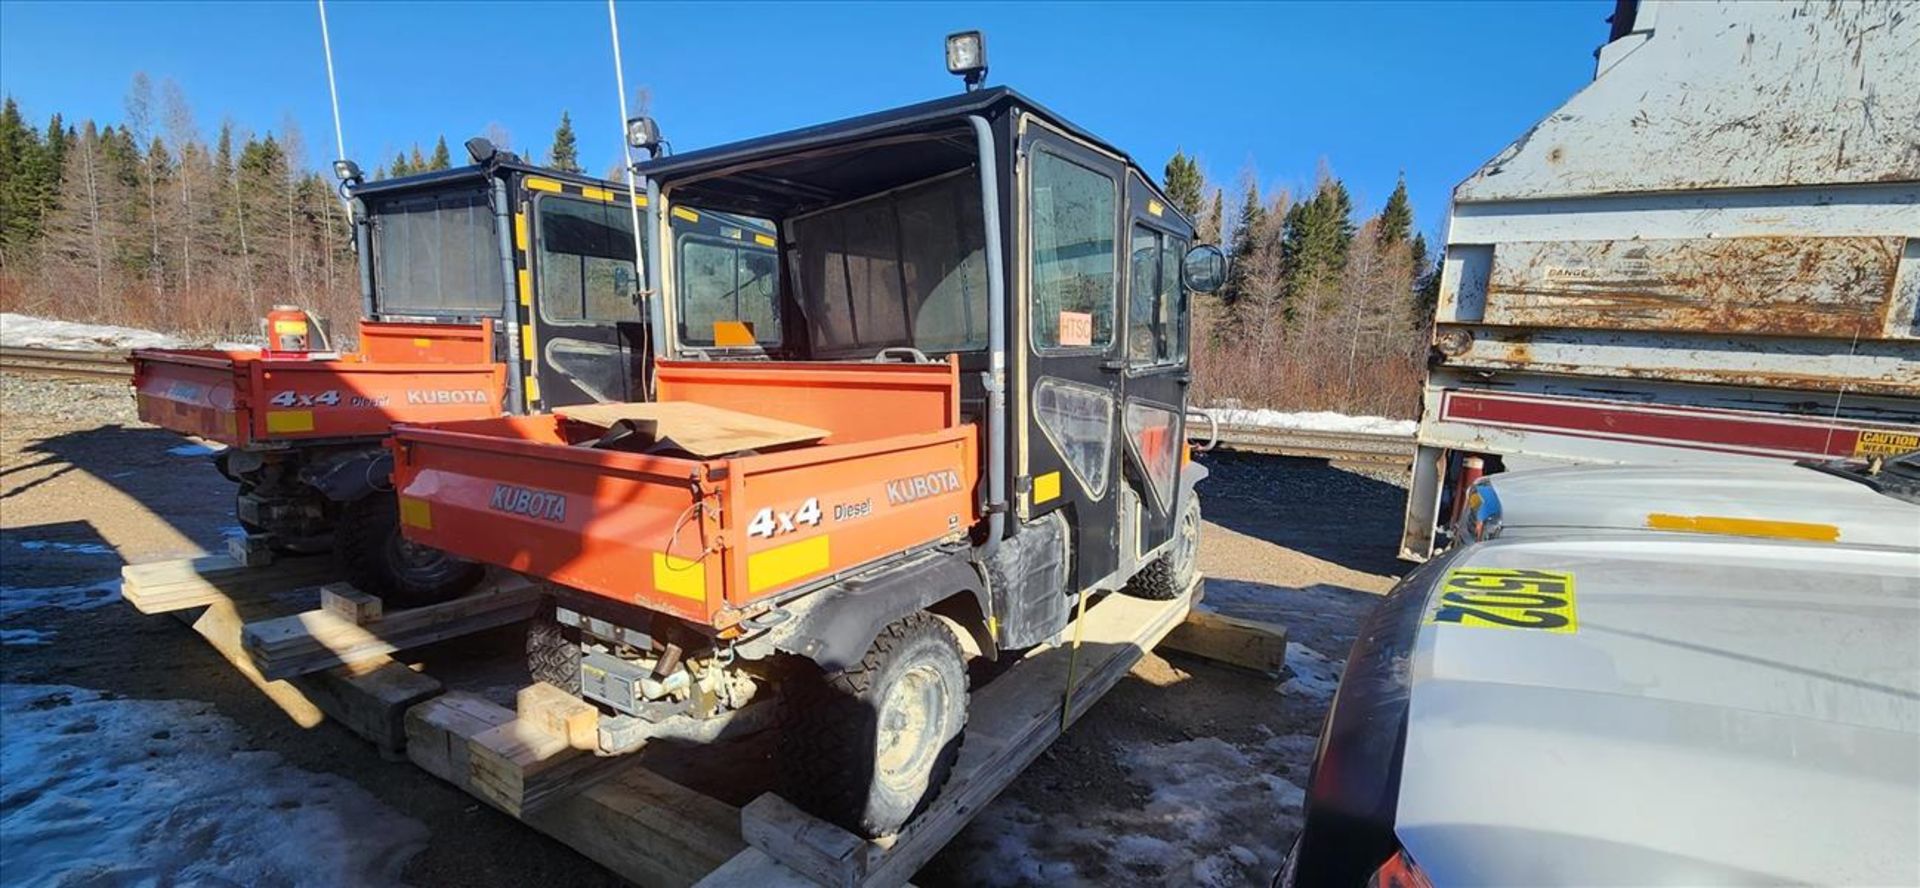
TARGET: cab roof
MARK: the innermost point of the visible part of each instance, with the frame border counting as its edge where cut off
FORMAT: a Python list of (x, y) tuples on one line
[(808, 175), (506, 163)]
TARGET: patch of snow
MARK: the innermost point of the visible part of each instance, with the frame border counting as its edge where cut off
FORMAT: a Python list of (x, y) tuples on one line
[(27, 331), (1314, 675), (24, 637), (194, 450), (84, 597), (71, 548), (1318, 421), (161, 792), (1216, 815)]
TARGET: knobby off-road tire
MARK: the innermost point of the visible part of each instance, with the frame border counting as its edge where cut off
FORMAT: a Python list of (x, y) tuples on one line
[(378, 560), (870, 747), (1166, 577), (553, 651)]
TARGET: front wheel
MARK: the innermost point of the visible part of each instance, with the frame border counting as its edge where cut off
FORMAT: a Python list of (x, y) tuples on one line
[(380, 561), (1166, 577), (870, 747)]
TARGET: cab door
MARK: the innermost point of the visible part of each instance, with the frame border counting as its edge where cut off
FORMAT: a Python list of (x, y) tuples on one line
[(589, 339), (1153, 415), (1073, 240)]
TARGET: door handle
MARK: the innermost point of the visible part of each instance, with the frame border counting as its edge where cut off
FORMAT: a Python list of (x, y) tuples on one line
[(1184, 379), (1113, 366)]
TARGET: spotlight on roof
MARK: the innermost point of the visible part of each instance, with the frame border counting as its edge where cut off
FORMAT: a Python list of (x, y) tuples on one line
[(967, 57)]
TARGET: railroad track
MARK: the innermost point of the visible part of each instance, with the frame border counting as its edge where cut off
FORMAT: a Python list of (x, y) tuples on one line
[(1341, 447), (64, 362)]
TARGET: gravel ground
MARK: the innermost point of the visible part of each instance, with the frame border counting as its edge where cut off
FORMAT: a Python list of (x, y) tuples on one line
[(1186, 773)]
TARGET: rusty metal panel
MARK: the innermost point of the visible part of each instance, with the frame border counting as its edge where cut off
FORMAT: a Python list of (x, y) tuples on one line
[(1834, 287)]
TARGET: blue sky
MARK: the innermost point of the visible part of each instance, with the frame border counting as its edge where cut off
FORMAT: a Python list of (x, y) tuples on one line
[(1372, 90)]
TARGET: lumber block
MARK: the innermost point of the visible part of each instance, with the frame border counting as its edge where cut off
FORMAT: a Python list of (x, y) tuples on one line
[(641, 826), (1009, 723), (350, 604), (520, 766), (439, 730), (1248, 644), (370, 698), (316, 640), (167, 586), (251, 550), (221, 626), (559, 713)]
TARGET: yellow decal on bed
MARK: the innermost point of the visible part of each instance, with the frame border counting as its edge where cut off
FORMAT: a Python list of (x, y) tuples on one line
[(1503, 598), (1885, 443)]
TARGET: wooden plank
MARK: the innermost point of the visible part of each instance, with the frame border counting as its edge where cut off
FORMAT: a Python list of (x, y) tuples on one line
[(699, 429), (251, 550), (221, 626), (520, 766), (167, 586), (315, 640), (1009, 723), (639, 825), (1248, 644), (350, 604)]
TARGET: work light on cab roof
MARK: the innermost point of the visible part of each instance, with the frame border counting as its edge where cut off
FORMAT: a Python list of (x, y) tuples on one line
[(967, 57)]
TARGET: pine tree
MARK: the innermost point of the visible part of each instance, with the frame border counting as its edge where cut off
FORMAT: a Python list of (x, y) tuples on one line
[(19, 152), (1185, 184), (564, 155), (1211, 228), (442, 159), (1397, 219), (1314, 249), (1246, 242), (418, 162), (400, 168)]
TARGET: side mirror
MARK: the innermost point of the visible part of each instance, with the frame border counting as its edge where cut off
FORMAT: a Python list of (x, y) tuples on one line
[(1204, 269)]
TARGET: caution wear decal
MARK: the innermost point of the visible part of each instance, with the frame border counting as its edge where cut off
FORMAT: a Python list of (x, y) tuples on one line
[(1502, 598)]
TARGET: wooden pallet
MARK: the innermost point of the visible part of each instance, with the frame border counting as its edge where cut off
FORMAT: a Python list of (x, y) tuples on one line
[(537, 764)]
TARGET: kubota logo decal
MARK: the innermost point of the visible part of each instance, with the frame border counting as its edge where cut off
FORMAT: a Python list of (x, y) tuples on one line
[(531, 503), (447, 396), (920, 487)]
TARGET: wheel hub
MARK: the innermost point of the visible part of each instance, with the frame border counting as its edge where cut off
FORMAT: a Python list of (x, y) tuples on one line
[(912, 725)]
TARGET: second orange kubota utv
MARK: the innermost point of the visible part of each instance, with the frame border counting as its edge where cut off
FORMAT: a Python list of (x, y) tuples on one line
[(968, 416)]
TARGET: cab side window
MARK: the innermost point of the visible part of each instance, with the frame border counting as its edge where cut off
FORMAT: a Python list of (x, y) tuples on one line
[(724, 280), (1072, 229), (587, 272), (1156, 303)]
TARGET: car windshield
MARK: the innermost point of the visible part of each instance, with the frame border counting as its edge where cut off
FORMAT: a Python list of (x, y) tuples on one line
[(1895, 476)]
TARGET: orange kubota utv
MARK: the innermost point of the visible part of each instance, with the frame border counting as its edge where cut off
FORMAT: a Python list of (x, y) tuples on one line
[(966, 414)]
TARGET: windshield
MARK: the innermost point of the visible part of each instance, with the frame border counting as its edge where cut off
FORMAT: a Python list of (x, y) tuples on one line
[(585, 260), (728, 284)]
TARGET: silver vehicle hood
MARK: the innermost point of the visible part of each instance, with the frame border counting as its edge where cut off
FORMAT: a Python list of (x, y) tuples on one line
[(1723, 710), (1623, 497)]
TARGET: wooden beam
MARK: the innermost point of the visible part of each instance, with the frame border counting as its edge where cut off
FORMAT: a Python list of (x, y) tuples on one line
[(1009, 723), (1248, 644), (316, 640), (643, 827), (166, 586), (350, 604)]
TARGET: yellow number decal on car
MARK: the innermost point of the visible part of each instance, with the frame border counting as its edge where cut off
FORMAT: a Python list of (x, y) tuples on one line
[(1502, 598)]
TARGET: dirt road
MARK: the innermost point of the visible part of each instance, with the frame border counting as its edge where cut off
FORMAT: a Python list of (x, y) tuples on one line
[(132, 752)]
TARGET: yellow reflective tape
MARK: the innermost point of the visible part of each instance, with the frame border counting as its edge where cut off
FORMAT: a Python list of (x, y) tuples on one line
[(684, 213), (1753, 527), (532, 389), (293, 328), (416, 513), (1504, 598), (520, 232), (763, 240), (289, 420), (784, 564), (422, 342), (593, 193), (639, 200), (230, 423), (679, 577), (1046, 487), (526, 287), (526, 342), (1154, 207), (538, 184)]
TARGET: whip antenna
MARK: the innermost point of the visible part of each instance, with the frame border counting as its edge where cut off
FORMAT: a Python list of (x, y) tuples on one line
[(326, 45), (626, 149)]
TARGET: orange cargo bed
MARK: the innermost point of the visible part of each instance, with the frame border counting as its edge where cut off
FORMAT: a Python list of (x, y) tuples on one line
[(405, 373), (704, 539)]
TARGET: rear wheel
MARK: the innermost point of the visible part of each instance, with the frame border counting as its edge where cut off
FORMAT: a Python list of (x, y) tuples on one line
[(1166, 577), (870, 747), (553, 652), (380, 561)]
